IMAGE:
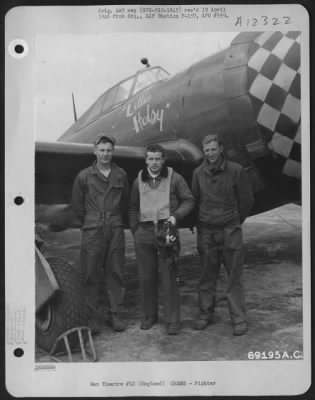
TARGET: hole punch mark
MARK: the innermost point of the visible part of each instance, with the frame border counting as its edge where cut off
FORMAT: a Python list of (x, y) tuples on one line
[(18, 352), (18, 200), (19, 49)]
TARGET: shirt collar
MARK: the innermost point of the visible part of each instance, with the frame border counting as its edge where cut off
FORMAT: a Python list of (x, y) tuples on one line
[(216, 168), (153, 176), (96, 171)]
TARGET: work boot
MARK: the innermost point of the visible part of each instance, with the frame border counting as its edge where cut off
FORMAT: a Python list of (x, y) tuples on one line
[(202, 322), (147, 323), (116, 323), (173, 328), (94, 325), (240, 329)]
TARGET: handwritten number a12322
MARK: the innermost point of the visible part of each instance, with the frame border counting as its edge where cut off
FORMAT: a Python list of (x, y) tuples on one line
[(264, 20)]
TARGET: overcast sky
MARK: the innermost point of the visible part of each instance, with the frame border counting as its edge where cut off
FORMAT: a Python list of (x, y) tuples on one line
[(87, 65)]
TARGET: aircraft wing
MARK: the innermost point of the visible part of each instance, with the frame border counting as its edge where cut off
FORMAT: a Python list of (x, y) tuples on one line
[(58, 163)]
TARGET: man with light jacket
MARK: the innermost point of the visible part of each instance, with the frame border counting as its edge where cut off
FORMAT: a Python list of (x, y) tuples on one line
[(159, 197)]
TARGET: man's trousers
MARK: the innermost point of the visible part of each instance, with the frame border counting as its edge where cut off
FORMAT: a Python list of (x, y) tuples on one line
[(227, 243), (102, 265), (152, 258)]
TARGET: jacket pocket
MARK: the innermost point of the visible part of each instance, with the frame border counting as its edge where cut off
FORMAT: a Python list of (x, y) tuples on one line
[(114, 198), (118, 186), (92, 220)]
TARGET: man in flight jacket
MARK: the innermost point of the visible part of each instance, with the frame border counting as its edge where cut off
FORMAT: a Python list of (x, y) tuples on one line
[(159, 195), (224, 199)]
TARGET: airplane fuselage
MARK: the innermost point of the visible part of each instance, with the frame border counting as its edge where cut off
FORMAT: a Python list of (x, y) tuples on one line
[(230, 93)]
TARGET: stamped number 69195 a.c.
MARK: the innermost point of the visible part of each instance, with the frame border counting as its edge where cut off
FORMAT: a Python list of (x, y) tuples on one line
[(275, 355)]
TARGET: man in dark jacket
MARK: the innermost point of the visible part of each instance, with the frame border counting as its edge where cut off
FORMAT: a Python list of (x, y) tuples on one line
[(159, 195), (224, 199), (99, 200)]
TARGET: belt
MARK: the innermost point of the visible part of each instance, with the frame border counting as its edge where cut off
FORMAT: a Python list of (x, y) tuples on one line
[(151, 223), (209, 226)]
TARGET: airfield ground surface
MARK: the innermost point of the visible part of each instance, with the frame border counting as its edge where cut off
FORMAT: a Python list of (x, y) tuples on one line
[(273, 285)]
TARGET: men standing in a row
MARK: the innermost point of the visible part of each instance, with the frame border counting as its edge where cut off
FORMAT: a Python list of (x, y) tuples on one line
[(158, 195), (224, 199), (99, 200)]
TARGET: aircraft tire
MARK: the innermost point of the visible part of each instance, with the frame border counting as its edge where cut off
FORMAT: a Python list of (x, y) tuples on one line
[(65, 311)]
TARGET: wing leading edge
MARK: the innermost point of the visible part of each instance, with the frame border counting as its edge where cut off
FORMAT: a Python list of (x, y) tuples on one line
[(58, 163)]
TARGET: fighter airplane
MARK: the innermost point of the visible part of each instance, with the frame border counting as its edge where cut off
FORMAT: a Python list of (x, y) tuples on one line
[(248, 93)]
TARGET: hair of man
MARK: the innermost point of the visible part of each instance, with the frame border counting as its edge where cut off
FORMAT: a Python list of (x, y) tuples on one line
[(212, 137), (155, 148), (102, 138)]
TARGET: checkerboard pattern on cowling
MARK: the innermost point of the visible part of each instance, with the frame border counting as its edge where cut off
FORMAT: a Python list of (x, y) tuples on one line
[(275, 88)]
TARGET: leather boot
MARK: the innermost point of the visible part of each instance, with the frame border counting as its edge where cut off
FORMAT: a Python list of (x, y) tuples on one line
[(116, 323), (202, 321), (148, 323), (240, 329)]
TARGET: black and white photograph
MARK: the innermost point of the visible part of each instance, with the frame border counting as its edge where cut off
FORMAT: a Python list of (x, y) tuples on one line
[(162, 203)]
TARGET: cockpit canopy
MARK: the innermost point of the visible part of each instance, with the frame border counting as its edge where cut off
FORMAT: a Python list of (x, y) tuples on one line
[(118, 94)]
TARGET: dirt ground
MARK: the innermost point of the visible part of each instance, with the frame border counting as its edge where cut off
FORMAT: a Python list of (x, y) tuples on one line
[(273, 286)]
